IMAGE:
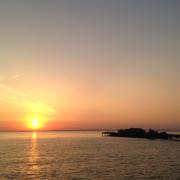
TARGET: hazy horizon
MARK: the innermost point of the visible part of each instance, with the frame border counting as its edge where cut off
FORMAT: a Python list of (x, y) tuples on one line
[(89, 64)]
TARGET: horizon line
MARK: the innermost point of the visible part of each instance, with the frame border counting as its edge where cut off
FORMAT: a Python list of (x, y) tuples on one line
[(51, 130)]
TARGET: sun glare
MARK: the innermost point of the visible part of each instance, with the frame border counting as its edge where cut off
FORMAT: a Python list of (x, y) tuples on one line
[(35, 123)]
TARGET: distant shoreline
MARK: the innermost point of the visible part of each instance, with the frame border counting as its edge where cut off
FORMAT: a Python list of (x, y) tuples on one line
[(142, 133)]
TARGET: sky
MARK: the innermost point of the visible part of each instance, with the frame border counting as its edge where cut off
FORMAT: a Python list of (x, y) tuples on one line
[(88, 64)]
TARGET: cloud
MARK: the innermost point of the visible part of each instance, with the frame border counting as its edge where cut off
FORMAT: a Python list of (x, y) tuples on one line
[(14, 96), (38, 107), (16, 76)]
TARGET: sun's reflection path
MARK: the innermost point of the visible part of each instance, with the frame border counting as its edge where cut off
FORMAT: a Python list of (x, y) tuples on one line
[(34, 135), (33, 170)]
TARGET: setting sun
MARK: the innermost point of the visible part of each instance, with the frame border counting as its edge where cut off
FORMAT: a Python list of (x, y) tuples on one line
[(34, 123)]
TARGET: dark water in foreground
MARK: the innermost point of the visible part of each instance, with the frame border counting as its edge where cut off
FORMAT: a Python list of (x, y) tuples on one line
[(86, 155)]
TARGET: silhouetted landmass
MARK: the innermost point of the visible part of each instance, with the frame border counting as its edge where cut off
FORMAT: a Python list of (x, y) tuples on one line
[(141, 133)]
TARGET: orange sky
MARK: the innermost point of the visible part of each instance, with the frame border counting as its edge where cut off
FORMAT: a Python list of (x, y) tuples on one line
[(89, 64)]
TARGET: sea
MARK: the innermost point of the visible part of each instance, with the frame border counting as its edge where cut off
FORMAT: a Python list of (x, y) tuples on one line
[(76, 155)]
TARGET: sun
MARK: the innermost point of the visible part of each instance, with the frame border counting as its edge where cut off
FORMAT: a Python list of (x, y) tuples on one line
[(35, 123)]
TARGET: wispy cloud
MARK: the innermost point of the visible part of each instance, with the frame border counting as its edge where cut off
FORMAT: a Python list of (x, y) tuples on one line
[(16, 76), (12, 95)]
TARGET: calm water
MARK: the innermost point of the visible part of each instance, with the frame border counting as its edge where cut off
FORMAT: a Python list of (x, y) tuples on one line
[(86, 155)]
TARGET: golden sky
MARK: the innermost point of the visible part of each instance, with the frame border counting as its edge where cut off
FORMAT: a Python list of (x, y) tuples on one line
[(89, 64)]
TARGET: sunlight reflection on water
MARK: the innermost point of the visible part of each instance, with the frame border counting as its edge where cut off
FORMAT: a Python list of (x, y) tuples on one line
[(34, 135), (86, 155), (33, 156)]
